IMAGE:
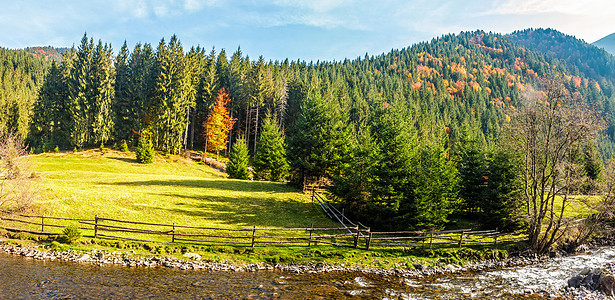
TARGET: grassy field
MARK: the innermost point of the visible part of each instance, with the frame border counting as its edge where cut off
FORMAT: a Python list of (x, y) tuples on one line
[(172, 189), (112, 184)]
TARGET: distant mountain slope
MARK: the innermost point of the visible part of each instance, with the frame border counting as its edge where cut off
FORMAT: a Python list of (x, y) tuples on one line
[(48, 52), (607, 43), (589, 60)]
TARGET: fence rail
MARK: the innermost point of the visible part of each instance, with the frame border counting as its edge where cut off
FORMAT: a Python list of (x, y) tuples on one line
[(344, 236)]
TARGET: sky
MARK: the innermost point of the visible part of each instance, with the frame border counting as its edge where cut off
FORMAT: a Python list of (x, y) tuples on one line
[(309, 30)]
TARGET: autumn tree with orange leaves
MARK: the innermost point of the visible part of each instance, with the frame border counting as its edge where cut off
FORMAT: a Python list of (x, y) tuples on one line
[(219, 123)]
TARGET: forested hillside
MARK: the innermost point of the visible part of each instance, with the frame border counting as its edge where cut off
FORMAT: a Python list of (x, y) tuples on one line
[(47, 52), (387, 131), (21, 76)]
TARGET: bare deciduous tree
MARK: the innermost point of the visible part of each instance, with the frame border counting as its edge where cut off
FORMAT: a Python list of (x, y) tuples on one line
[(17, 191), (545, 133), (603, 203)]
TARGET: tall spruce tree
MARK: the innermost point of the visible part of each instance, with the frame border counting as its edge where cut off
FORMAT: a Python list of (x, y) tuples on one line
[(320, 141), (270, 157), (124, 108), (472, 173), (501, 204), (142, 87), (80, 93), (103, 80)]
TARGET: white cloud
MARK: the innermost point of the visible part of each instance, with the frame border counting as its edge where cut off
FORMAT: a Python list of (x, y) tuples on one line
[(320, 6), (571, 7)]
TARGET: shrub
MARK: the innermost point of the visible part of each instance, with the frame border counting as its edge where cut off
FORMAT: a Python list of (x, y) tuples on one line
[(17, 191), (124, 146), (70, 234), (56, 149), (145, 149), (56, 246)]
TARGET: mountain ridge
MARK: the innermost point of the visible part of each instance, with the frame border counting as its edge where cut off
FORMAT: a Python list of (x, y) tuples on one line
[(607, 43)]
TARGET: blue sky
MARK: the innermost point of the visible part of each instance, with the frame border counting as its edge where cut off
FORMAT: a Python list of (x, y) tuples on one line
[(300, 29)]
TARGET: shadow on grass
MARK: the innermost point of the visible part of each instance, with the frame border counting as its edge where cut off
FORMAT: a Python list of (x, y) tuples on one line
[(248, 211), (125, 159), (229, 185)]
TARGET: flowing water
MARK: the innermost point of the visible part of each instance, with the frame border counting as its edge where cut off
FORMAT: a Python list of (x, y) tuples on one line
[(23, 278)]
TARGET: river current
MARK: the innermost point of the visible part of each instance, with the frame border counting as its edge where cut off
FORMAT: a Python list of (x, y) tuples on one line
[(24, 278)]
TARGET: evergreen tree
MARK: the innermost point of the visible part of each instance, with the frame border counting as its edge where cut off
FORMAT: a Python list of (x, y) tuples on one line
[(124, 108), (171, 96), (239, 160), (320, 142), (433, 190), (145, 149), (471, 166), (48, 112), (501, 203), (79, 93), (142, 87), (103, 80), (395, 157), (270, 157)]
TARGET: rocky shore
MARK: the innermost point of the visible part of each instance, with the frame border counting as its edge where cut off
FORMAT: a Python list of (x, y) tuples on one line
[(193, 261)]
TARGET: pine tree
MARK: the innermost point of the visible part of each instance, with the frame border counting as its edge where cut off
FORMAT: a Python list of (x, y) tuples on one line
[(472, 173), (124, 108), (320, 141), (171, 96), (103, 80), (239, 160), (270, 157), (79, 93), (219, 123), (145, 149), (142, 87), (501, 204)]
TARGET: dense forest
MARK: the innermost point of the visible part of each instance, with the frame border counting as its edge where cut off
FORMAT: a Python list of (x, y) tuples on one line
[(394, 135)]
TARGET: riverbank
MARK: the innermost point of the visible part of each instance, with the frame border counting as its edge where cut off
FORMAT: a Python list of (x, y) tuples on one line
[(194, 261)]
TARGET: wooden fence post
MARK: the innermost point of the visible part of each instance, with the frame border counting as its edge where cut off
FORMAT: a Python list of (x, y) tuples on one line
[(430, 239), (356, 237), (253, 234), (311, 230), (313, 193), (495, 239), (95, 225), (369, 239), (42, 223), (460, 239), (173, 234)]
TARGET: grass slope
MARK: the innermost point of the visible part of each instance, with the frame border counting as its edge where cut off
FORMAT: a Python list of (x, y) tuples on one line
[(172, 189)]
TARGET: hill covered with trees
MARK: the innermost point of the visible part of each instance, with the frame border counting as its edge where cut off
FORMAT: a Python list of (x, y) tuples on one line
[(47, 52), (21, 76), (390, 132)]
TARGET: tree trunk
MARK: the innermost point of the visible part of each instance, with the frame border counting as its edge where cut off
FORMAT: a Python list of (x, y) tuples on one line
[(186, 130), (255, 130), (192, 123)]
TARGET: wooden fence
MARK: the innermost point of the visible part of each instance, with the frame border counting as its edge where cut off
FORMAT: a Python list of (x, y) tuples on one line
[(345, 236)]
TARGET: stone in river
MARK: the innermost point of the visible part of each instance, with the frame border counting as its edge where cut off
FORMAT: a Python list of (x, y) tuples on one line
[(607, 284)]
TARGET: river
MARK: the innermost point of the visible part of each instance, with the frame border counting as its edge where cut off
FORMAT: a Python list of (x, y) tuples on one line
[(24, 278)]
